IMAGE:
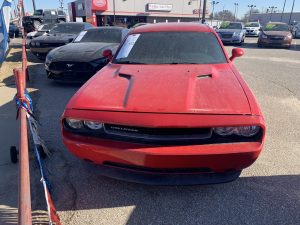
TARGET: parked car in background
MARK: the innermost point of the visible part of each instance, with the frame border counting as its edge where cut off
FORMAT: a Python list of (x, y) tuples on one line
[(80, 60), (43, 29), (296, 31), (40, 16), (170, 108), (252, 29), (59, 35), (14, 31), (231, 33), (275, 34)]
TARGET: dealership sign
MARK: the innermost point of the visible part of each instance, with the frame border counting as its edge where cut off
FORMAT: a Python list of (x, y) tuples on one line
[(99, 5), (159, 7)]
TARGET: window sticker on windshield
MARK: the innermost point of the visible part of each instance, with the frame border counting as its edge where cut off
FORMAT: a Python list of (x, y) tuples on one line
[(225, 24), (80, 36), (270, 26), (128, 45)]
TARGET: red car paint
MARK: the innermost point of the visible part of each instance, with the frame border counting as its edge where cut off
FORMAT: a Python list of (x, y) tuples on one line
[(167, 96)]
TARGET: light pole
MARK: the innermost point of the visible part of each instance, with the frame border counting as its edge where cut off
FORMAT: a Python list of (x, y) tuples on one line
[(200, 1), (204, 11), (282, 11), (114, 6), (33, 3), (213, 9), (236, 7), (61, 4), (272, 10), (251, 7), (291, 12)]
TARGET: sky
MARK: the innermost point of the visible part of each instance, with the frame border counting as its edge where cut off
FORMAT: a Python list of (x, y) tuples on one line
[(227, 4)]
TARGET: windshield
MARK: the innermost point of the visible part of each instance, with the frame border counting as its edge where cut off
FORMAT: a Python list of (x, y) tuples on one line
[(46, 27), (171, 48), (276, 27), (100, 35), (252, 25), (228, 25), (67, 28)]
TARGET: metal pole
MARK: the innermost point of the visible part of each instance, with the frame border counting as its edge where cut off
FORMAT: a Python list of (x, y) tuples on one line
[(24, 177), (33, 3), (234, 11), (204, 11), (114, 5), (237, 9), (200, 3), (291, 12), (282, 11)]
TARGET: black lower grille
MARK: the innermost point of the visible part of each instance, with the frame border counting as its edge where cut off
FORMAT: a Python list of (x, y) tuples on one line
[(71, 66), (54, 45), (226, 35), (277, 38)]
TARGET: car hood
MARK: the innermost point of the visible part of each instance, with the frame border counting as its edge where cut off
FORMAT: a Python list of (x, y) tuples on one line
[(58, 38), (252, 28), (229, 30), (201, 89), (81, 51), (277, 33)]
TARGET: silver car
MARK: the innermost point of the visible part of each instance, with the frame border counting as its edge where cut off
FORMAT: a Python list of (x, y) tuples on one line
[(232, 33), (252, 29)]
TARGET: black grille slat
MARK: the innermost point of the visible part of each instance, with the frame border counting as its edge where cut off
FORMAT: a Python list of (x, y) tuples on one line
[(158, 133), (226, 35), (72, 66)]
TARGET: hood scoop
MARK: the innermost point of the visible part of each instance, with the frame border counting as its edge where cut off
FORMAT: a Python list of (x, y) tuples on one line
[(203, 76)]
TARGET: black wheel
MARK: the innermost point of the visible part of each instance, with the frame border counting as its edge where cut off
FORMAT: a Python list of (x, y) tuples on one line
[(259, 45), (14, 154), (42, 153)]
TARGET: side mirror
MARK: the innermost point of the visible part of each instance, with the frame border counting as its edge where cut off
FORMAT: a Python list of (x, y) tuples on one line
[(236, 52), (47, 31), (260, 29), (107, 54)]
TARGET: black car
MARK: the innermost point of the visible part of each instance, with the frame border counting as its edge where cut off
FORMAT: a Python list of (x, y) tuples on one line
[(14, 31), (78, 61), (43, 29), (59, 35)]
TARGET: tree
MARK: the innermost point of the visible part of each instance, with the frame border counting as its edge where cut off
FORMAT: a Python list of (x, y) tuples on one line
[(224, 15)]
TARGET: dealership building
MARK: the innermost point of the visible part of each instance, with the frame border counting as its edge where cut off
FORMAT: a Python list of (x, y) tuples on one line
[(264, 18), (130, 12)]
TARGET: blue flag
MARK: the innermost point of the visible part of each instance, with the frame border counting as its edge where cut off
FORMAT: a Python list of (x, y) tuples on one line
[(4, 28)]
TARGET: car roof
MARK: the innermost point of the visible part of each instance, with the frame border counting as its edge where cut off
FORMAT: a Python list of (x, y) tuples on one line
[(106, 28), (173, 26)]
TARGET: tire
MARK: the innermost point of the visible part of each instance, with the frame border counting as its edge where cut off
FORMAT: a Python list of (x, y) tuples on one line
[(259, 45), (17, 34), (14, 154)]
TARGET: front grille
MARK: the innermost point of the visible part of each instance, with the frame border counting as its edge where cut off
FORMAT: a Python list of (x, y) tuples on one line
[(226, 35), (277, 38), (158, 134), (71, 66), (46, 45)]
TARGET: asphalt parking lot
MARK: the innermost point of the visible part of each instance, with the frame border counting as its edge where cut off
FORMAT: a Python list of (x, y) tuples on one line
[(266, 193)]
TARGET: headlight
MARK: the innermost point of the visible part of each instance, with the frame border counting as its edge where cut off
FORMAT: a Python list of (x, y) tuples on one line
[(289, 36), (37, 44), (248, 131), (100, 61), (224, 131), (74, 123), (245, 131), (93, 125), (49, 59), (32, 43), (264, 36), (236, 34)]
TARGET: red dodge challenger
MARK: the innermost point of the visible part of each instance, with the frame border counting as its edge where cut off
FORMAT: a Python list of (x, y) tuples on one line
[(169, 109)]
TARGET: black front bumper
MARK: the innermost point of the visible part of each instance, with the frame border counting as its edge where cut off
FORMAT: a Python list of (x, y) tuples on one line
[(154, 177)]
